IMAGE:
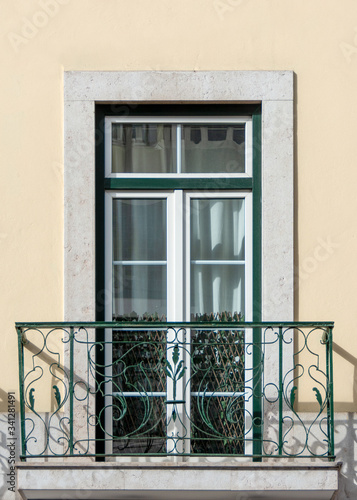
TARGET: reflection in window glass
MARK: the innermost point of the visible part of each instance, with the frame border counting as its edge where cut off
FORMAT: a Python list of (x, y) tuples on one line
[(170, 148), (142, 148), (213, 149)]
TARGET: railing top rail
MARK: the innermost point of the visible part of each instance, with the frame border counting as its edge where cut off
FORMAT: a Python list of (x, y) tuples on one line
[(155, 325)]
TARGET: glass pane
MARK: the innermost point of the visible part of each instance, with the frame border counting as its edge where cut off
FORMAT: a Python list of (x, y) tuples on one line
[(217, 381), (213, 148), (139, 425), (139, 290), (218, 425), (139, 229), (217, 361), (139, 385), (142, 148), (217, 288), (140, 361), (217, 229)]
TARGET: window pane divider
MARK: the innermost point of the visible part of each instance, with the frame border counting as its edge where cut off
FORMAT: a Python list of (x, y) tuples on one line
[(151, 394), (179, 148), (139, 394), (226, 262), (217, 394), (139, 262)]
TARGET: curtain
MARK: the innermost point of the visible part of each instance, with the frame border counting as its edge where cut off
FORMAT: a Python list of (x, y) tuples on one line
[(151, 148), (139, 239), (213, 149), (145, 148), (217, 225), (217, 256)]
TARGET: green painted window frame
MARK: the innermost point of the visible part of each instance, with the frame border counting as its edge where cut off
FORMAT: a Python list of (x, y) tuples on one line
[(254, 183)]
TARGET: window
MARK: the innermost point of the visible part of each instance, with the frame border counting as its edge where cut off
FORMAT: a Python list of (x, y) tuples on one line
[(178, 255), (181, 253), (179, 247), (86, 92)]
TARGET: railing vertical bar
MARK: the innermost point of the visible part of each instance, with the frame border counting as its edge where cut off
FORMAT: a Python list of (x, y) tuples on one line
[(326, 341), (71, 389), (22, 399), (330, 398), (258, 366), (280, 390)]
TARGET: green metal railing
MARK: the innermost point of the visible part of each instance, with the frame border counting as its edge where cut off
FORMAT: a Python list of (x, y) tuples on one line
[(201, 388)]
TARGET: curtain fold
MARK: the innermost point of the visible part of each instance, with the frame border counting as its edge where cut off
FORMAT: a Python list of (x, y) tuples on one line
[(144, 148), (217, 256), (151, 148), (213, 149), (139, 238)]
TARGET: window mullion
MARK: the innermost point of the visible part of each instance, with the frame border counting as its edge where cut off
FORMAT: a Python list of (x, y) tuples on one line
[(175, 389), (179, 148), (174, 257)]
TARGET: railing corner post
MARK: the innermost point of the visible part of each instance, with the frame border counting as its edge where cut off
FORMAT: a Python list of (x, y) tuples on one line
[(21, 389), (71, 389), (330, 407)]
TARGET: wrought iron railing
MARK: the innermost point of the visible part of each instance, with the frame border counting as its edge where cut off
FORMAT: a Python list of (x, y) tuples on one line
[(201, 388)]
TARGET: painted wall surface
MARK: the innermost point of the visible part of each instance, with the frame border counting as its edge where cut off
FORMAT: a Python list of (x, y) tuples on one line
[(40, 39)]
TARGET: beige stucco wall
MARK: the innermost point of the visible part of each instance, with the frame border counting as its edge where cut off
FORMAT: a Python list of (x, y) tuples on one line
[(317, 40)]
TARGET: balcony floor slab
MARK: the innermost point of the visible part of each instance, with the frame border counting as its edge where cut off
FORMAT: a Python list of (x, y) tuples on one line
[(177, 481)]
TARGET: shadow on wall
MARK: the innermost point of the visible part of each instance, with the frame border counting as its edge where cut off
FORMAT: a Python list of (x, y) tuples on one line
[(346, 452), (344, 407), (345, 435)]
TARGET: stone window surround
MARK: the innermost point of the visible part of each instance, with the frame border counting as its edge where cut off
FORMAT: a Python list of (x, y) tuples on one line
[(273, 89)]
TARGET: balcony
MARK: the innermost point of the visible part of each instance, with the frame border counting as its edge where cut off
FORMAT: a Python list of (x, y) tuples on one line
[(247, 391)]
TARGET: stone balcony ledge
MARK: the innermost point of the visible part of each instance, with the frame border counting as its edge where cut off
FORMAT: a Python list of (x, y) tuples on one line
[(177, 480)]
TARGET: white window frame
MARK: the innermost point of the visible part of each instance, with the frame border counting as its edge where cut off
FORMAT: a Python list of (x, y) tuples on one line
[(247, 196), (178, 273), (177, 120), (178, 254)]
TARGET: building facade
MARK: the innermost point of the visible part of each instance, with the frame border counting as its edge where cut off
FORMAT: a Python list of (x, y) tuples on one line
[(174, 164)]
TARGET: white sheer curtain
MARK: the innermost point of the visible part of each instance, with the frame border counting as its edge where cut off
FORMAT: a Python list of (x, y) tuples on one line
[(142, 148), (151, 148), (139, 242), (217, 256), (213, 148)]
